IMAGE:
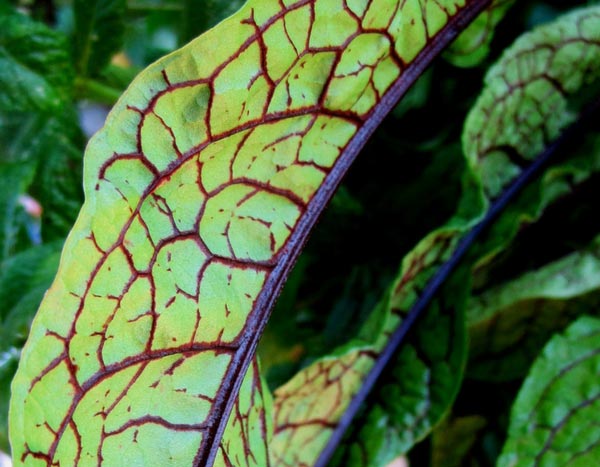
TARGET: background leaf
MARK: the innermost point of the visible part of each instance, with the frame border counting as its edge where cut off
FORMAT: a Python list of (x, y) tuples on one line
[(529, 96), (35, 66), (421, 385), (509, 324), (553, 419)]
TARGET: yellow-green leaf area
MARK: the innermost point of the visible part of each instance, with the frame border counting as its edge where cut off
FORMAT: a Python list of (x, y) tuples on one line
[(246, 222), (95, 405), (270, 155), (358, 7), (112, 277), (107, 223), (303, 180), (304, 83), (122, 135), (51, 347), (216, 161), (297, 26), (175, 323), (137, 446), (353, 85), (176, 269), (379, 14), (157, 217), (176, 375), (158, 142), (52, 414), (325, 140), (83, 245), (240, 92), (65, 304), (130, 177), (138, 245), (182, 111), (436, 15), (261, 15), (333, 25), (183, 195), (227, 294), (68, 450), (128, 332), (410, 30), (281, 53), (269, 149)]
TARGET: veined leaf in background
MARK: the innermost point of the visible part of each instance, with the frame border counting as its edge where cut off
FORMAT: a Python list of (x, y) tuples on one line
[(509, 324), (420, 387), (529, 96), (424, 382), (541, 99), (200, 190), (554, 419), (528, 99)]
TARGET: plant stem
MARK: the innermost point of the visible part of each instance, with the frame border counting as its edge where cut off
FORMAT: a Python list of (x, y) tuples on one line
[(96, 91)]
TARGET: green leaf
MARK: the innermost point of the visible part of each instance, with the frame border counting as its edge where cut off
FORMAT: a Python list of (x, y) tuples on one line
[(425, 378), (529, 96), (35, 66), (24, 278), (509, 324), (47, 150), (249, 430), (473, 44), (98, 33), (199, 193), (14, 180), (553, 420), (422, 384), (528, 100)]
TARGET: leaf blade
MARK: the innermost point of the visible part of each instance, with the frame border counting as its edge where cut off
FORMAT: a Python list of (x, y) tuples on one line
[(152, 179), (548, 420)]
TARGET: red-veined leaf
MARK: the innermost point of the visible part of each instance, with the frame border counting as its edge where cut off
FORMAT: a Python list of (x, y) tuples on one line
[(200, 191)]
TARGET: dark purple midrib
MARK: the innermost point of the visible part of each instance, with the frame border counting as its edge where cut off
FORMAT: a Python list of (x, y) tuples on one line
[(266, 299)]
